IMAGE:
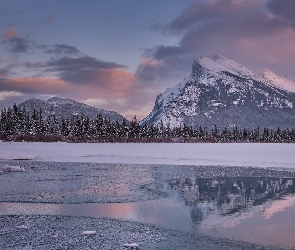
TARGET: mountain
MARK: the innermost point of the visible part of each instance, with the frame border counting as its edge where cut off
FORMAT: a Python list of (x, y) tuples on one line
[(222, 92), (66, 108)]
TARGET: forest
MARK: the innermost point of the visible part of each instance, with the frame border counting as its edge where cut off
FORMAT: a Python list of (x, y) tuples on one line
[(17, 124)]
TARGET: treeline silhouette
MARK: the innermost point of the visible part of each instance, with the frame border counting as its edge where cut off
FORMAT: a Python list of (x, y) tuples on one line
[(17, 124)]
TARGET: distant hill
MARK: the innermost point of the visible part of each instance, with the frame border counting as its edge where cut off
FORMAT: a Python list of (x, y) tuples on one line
[(224, 93), (66, 108)]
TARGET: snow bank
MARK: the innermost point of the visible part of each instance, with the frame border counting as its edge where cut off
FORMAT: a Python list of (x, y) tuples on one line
[(7, 168), (230, 154)]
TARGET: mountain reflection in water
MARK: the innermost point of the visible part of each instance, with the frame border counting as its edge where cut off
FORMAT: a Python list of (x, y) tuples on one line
[(232, 196)]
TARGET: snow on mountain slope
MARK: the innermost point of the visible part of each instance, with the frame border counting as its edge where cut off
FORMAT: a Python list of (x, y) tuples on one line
[(278, 81), (224, 93)]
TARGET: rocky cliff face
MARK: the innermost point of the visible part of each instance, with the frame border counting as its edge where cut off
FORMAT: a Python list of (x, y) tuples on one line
[(221, 92)]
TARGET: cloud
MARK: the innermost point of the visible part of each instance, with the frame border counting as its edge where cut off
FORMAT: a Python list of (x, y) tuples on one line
[(284, 9), (33, 65), (10, 32), (50, 19), (247, 31), (8, 98), (8, 94), (33, 85), (83, 70), (6, 71), (84, 62), (18, 44), (62, 48)]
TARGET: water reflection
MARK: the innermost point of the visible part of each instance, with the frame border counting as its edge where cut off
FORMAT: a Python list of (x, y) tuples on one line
[(239, 196)]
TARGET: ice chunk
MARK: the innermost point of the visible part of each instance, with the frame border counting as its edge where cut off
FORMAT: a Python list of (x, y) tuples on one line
[(88, 232)]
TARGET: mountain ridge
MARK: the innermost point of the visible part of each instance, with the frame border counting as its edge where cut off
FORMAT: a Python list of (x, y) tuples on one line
[(67, 108)]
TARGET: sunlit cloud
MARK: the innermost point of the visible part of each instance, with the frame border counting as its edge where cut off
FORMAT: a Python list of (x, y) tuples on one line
[(10, 32), (150, 62), (33, 85), (8, 94)]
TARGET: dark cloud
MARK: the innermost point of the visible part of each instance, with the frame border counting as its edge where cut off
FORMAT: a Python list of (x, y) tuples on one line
[(6, 71), (84, 70), (168, 51), (50, 19), (33, 65), (85, 62), (284, 9), (18, 44), (62, 48)]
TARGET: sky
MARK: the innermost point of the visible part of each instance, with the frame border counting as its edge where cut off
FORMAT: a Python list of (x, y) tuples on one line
[(119, 55)]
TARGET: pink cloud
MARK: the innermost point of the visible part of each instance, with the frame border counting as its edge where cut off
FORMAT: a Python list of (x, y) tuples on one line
[(33, 85), (10, 32), (150, 62), (275, 49)]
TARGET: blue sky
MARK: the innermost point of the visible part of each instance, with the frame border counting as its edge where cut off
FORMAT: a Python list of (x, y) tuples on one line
[(120, 55)]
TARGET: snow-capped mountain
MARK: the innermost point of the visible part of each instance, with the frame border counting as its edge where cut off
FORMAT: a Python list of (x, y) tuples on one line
[(66, 108), (224, 93)]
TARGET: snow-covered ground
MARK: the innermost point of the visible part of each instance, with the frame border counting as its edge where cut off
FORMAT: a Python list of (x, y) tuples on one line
[(230, 154)]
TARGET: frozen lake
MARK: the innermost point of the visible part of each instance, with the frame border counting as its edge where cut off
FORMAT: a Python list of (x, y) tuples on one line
[(224, 154), (233, 203)]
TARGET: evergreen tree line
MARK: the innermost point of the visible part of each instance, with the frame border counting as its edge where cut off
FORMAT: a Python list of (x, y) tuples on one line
[(18, 123)]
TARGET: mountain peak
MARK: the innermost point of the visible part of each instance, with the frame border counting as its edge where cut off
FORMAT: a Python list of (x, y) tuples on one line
[(222, 92), (59, 101), (221, 63)]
